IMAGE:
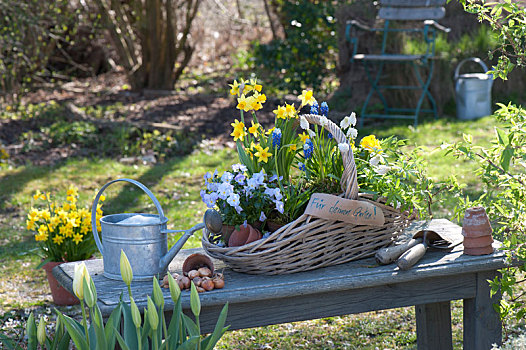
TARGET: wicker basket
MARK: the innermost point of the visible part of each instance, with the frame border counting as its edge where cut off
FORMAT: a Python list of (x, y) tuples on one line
[(308, 242)]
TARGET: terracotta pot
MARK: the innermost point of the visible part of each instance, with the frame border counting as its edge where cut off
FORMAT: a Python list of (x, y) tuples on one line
[(478, 251), (476, 223), (478, 242), (226, 231), (196, 261), (245, 234), (60, 295)]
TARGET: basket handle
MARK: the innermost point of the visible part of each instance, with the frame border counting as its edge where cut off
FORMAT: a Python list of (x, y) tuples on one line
[(96, 202), (349, 181)]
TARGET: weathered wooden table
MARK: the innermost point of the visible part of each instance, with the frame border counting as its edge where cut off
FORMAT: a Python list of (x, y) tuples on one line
[(350, 288)]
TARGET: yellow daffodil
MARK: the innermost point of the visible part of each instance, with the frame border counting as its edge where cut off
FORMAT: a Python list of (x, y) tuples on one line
[(303, 137), (293, 147), (263, 154), (371, 144), (261, 98), (37, 195), (30, 225), (58, 239), (77, 238), (243, 103), (41, 237), (253, 103), (234, 88), (255, 85), (254, 129), (238, 134), (270, 131), (281, 112), (72, 191), (307, 98), (290, 111)]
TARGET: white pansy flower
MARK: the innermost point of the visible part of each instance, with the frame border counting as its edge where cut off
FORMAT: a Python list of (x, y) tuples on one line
[(304, 124), (382, 169), (344, 147), (374, 161), (352, 133)]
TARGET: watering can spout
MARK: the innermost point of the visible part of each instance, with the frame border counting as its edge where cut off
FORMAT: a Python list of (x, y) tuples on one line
[(212, 221)]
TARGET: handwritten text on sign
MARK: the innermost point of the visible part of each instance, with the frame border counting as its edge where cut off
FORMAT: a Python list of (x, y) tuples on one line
[(327, 206)]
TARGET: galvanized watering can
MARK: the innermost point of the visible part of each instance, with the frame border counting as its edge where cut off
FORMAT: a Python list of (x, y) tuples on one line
[(143, 237), (473, 91)]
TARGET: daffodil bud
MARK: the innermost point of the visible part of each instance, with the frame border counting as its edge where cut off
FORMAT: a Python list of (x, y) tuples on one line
[(136, 314), (195, 303), (81, 273), (175, 291), (158, 296), (41, 331), (126, 269), (153, 317)]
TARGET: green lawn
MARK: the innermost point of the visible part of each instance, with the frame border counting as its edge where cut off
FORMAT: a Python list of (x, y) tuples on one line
[(176, 183)]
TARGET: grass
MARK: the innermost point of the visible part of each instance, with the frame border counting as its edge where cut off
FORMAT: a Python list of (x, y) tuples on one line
[(176, 183)]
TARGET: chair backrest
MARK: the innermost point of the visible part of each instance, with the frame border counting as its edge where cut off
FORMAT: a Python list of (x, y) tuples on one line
[(411, 10)]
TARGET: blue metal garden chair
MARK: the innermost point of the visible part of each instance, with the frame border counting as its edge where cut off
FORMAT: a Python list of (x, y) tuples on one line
[(424, 11)]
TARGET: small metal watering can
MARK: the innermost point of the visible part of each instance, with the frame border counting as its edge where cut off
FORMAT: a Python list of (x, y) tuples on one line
[(473, 91), (143, 240)]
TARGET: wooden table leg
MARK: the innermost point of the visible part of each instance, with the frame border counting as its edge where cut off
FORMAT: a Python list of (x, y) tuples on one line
[(433, 326), (482, 324)]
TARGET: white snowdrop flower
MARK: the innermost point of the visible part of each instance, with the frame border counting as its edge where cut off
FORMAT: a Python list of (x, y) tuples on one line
[(382, 169), (304, 124), (312, 134), (374, 161), (324, 121), (344, 147), (345, 123), (352, 118), (352, 133)]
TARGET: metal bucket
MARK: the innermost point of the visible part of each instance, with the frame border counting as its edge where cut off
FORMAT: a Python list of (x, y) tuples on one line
[(473, 91), (145, 244)]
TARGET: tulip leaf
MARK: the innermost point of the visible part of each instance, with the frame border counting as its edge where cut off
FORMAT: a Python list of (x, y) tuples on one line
[(191, 326), (129, 330), (76, 332), (191, 343), (218, 332), (121, 341)]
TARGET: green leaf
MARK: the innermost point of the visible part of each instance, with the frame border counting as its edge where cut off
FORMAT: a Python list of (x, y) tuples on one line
[(129, 330), (211, 341), (121, 341), (195, 303), (191, 343), (506, 157), (113, 322), (76, 332), (503, 137), (190, 326), (98, 324)]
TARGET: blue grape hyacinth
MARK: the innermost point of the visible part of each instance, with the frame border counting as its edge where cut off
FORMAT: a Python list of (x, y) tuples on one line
[(324, 109), (276, 137)]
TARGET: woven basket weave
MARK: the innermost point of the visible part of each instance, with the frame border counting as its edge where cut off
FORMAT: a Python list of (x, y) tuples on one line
[(308, 242)]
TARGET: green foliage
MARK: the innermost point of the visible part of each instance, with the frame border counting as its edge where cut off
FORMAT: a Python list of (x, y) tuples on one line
[(30, 30), (308, 50), (501, 167), (507, 19), (65, 133)]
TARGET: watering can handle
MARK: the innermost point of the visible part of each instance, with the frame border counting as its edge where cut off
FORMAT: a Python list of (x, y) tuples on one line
[(96, 202), (471, 59)]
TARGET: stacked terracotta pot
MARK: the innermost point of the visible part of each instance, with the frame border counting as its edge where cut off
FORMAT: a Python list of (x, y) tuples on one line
[(477, 231)]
